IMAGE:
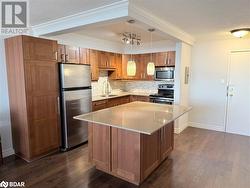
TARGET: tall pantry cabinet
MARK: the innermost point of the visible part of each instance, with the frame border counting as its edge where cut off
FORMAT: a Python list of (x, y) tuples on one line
[(33, 92)]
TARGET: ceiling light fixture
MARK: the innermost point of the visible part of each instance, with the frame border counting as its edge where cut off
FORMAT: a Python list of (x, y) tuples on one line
[(240, 32), (151, 65), (131, 65)]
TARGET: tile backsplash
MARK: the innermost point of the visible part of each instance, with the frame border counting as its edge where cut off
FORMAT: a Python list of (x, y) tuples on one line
[(128, 86)]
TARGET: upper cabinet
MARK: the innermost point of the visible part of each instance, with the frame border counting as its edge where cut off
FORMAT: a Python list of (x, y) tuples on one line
[(39, 49), (107, 60), (94, 59), (171, 58), (165, 59), (114, 63), (84, 56), (68, 54)]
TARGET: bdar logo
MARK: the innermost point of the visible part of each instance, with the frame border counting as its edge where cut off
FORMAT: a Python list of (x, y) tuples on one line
[(4, 184)]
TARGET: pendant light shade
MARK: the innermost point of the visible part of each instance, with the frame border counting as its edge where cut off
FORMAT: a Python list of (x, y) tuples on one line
[(131, 68), (150, 68), (151, 65)]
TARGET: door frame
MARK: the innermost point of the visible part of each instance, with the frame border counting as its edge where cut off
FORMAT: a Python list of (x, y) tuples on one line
[(227, 82)]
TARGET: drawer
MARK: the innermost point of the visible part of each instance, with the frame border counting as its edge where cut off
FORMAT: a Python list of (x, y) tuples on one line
[(99, 105)]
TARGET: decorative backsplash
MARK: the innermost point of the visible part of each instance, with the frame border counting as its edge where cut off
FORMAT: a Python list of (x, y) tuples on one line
[(120, 85)]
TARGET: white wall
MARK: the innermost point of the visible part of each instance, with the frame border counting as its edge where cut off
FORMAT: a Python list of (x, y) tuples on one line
[(181, 95), (208, 81), (89, 42), (5, 128), (157, 46)]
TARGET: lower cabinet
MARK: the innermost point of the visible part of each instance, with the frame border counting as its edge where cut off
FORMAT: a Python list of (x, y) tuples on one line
[(107, 103), (129, 155)]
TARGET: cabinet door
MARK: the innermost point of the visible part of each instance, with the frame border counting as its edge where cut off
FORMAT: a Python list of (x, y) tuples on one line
[(99, 146), (150, 153), (171, 58), (126, 154), (41, 80), (103, 59), (146, 58), (167, 140), (61, 53), (84, 56), (72, 54), (39, 49), (93, 59), (112, 60), (117, 74), (161, 59)]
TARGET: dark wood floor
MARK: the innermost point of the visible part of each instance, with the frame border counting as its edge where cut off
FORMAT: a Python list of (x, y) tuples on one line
[(201, 158)]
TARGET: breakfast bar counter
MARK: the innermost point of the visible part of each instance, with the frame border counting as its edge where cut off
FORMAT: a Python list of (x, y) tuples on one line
[(130, 141)]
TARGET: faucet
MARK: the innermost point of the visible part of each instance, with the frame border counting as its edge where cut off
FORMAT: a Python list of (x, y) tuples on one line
[(106, 88)]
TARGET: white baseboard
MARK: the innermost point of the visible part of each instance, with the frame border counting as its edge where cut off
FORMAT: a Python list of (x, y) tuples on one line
[(207, 126), (178, 130), (8, 152)]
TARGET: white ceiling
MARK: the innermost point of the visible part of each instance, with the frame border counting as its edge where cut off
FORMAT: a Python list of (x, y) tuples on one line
[(201, 17), (46, 10), (197, 17), (113, 31)]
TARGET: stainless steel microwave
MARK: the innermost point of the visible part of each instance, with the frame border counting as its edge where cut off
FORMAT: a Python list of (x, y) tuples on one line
[(164, 73)]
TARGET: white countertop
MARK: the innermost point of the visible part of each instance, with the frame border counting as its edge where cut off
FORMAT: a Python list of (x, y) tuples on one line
[(120, 94), (141, 117)]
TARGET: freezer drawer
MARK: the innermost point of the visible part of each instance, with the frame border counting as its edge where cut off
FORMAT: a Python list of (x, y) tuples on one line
[(77, 102), (75, 76)]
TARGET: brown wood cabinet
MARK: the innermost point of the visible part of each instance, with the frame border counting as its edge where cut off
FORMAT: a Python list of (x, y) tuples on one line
[(68, 54), (33, 91), (117, 73), (94, 59), (84, 56), (165, 59), (129, 155), (107, 103), (139, 98), (107, 60)]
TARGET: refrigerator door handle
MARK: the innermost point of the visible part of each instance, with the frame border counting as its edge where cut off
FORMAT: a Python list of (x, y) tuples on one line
[(58, 105)]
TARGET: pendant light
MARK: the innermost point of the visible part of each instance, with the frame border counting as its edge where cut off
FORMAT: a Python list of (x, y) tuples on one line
[(131, 66), (151, 65)]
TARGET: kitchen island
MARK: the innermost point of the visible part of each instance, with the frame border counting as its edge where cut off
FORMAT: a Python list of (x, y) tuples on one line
[(130, 141)]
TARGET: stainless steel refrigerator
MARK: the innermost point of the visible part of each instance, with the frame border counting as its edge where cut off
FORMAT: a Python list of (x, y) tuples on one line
[(75, 99)]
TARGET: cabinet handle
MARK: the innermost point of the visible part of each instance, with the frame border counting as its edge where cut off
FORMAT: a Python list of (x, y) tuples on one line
[(62, 58), (56, 55), (67, 58), (58, 105)]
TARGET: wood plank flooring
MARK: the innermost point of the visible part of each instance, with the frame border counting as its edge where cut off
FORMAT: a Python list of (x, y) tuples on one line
[(201, 159)]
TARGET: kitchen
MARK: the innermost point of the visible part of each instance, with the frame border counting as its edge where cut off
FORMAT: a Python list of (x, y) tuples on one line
[(125, 81)]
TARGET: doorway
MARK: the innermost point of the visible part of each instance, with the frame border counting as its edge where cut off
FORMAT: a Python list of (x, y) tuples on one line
[(238, 94)]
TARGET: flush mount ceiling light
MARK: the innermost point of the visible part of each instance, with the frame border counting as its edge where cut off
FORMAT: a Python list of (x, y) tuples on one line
[(240, 32)]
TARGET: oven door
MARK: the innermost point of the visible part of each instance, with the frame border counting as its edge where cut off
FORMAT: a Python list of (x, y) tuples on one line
[(161, 100)]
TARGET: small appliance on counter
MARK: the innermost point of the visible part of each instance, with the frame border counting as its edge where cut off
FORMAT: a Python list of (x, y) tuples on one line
[(75, 99), (165, 94)]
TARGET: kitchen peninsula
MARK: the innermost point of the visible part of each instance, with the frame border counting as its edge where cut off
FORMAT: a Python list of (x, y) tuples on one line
[(130, 141)]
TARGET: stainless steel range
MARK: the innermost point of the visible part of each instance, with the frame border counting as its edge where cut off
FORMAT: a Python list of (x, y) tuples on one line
[(165, 94)]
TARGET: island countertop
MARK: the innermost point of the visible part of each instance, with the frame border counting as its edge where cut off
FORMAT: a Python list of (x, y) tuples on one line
[(141, 117)]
